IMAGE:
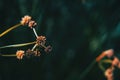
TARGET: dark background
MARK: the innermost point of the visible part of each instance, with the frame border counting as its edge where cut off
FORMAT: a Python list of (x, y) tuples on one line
[(78, 30)]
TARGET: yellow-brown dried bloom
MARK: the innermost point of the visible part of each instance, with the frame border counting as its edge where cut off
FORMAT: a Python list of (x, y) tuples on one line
[(25, 20), (119, 65), (115, 61), (109, 53), (32, 24), (109, 74), (20, 54)]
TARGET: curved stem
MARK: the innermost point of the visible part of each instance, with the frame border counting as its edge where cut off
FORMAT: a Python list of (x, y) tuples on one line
[(18, 45), (8, 30), (34, 47), (104, 61), (9, 55)]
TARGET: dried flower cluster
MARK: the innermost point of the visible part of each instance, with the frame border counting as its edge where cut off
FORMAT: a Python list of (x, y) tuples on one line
[(109, 53), (114, 63), (26, 20), (39, 43), (20, 54)]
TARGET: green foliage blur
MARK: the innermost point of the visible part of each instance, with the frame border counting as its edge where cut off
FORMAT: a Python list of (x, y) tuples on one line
[(78, 30)]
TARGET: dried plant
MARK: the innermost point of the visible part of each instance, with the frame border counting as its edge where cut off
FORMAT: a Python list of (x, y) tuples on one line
[(109, 72), (39, 43)]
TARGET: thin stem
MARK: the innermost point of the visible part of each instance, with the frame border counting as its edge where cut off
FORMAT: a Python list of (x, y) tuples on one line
[(18, 45), (43, 45), (34, 47), (9, 55), (35, 32), (101, 66), (85, 72), (104, 61), (8, 30)]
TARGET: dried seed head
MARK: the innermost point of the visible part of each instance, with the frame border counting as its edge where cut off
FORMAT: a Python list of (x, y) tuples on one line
[(109, 73), (41, 40), (32, 24), (25, 20), (48, 49), (20, 54), (37, 52), (119, 65), (29, 53), (109, 53), (115, 61)]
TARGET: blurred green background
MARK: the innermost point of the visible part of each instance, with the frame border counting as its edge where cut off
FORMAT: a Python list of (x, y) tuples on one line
[(78, 30)]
